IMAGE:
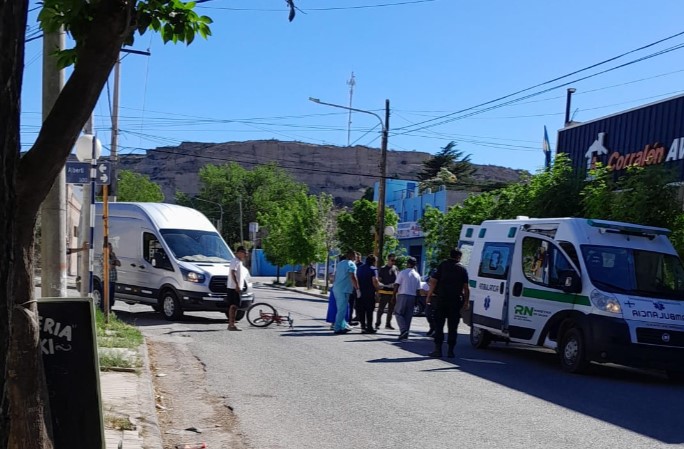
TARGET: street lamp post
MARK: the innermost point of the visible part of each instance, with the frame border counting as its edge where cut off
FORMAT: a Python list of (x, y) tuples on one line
[(380, 221), (221, 213)]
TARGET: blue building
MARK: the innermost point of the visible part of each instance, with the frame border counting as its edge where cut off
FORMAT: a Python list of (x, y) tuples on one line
[(410, 205)]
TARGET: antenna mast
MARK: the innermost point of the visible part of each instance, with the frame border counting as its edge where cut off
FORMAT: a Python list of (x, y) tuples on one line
[(351, 83)]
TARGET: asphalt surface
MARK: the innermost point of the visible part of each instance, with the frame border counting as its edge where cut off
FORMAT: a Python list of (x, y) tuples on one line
[(307, 388)]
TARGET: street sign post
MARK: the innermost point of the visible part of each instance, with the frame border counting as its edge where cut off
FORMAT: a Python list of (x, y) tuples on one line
[(103, 174), (77, 172)]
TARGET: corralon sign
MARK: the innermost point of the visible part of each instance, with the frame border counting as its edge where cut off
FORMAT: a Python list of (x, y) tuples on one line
[(655, 153)]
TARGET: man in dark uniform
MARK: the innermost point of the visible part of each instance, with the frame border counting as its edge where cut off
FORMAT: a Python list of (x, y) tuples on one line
[(387, 276), (449, 291)]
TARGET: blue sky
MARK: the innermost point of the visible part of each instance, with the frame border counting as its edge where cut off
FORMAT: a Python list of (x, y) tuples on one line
[(253, 77)]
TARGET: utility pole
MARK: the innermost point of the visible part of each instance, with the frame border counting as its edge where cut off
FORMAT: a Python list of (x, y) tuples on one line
[(242, 232), (113, 157), (84, 227), (568, 102), (380, 232), (351, 83), (53, 209), (380, 222)]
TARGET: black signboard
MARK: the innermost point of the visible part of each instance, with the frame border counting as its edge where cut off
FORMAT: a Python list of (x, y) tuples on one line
[(69, 347)]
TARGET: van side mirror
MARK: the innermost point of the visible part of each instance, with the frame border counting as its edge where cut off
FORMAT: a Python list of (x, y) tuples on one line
[(570, 281)]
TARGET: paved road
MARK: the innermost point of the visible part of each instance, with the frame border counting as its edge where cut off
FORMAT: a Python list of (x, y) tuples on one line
[(308, 388)]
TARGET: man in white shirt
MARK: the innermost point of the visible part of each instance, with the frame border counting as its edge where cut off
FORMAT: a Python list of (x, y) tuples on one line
[(406, 289), (237, 278)]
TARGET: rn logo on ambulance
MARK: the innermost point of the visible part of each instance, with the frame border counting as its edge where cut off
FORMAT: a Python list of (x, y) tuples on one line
[(619, 160), (59, 336)]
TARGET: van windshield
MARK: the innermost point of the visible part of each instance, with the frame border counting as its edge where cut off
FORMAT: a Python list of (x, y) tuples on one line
[(190, 245), (634, 271)]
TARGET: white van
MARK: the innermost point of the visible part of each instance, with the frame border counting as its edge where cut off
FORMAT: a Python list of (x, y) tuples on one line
[(172, 258), (592, 290)]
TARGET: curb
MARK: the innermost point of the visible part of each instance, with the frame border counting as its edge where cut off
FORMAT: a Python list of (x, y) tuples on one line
[(151, 432)]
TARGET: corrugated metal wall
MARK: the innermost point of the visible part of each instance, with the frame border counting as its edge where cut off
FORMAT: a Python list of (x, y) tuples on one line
[(655, 125)]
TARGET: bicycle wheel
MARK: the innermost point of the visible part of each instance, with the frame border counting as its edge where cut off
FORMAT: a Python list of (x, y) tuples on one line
[(261, 314)]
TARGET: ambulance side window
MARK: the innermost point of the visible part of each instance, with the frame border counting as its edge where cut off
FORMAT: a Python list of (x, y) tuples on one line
[(466, 250), (543, 263), (496, 258), (570, 250)]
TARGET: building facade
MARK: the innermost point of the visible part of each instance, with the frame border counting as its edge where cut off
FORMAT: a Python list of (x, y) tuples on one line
[(405, 198)]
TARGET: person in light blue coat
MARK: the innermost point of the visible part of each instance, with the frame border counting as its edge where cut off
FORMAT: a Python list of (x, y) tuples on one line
[(344, 285)]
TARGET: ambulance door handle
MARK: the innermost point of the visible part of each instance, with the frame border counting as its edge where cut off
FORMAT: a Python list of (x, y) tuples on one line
[(501, 288), (517, 289)]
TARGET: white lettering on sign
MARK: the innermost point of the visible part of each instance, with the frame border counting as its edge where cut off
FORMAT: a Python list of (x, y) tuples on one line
[(676, 150), (57, 331)]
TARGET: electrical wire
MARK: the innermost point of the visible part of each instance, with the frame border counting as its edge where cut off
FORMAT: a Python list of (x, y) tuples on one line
[(332, 8), (527, 89), (500, 105)]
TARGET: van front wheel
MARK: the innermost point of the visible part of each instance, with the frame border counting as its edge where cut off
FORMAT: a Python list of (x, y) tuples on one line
[(479, 338), (170, 306), (572, 352)]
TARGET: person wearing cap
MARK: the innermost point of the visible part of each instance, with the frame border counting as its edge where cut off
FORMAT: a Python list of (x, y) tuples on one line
[(237, 279), (406, 289), (448, 293)]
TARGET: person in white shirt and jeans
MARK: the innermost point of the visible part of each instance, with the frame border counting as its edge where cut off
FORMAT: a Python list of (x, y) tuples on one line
[(406, 289), (237, 278)]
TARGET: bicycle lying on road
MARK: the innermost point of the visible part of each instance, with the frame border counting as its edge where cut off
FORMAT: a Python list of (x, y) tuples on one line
[(262, 314)]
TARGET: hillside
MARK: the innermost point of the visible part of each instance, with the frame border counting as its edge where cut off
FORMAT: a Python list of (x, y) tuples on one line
[(343, 172)]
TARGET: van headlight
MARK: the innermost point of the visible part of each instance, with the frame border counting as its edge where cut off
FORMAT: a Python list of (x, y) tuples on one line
[(192, 276), (605, 302)]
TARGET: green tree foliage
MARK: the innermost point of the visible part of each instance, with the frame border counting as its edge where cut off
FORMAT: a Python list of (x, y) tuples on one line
[(275, 245), (552, 193), (98, 29), (448, 167), (295, 231), (354, 228), (257, 190), (135, 187), (645, 196)]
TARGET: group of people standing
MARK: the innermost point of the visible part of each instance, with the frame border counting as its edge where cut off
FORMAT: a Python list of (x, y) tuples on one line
[(358, 286)]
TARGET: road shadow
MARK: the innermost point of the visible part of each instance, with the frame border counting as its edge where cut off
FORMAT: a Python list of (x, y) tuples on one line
[(152, 318), (641, 401)]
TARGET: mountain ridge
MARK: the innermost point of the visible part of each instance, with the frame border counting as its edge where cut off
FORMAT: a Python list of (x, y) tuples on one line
[(343, 172)]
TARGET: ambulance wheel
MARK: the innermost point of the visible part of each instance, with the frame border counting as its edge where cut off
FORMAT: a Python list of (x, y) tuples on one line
[(479, 338), (572, 351), (171, 307)]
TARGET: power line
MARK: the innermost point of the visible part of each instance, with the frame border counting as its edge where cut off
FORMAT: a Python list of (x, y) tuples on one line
[(480, 111), (547, 82), (333, 8)]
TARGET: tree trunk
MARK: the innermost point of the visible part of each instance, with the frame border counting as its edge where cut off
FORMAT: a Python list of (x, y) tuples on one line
[(12, 28), (25, 419)]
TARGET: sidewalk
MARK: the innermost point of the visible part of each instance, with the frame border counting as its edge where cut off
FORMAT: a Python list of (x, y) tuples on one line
[(127, 400)]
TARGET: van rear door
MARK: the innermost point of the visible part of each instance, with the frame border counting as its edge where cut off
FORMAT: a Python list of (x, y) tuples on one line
[(489, 289), (539, 275)]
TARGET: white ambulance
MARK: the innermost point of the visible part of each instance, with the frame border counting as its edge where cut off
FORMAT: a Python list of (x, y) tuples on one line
[(593, 290)]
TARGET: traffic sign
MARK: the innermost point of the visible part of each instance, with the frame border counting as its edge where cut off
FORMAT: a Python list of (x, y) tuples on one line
[(103, 174), (77, 172)]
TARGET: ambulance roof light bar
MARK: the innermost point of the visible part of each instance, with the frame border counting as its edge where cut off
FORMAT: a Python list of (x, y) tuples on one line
[(625, 228)]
